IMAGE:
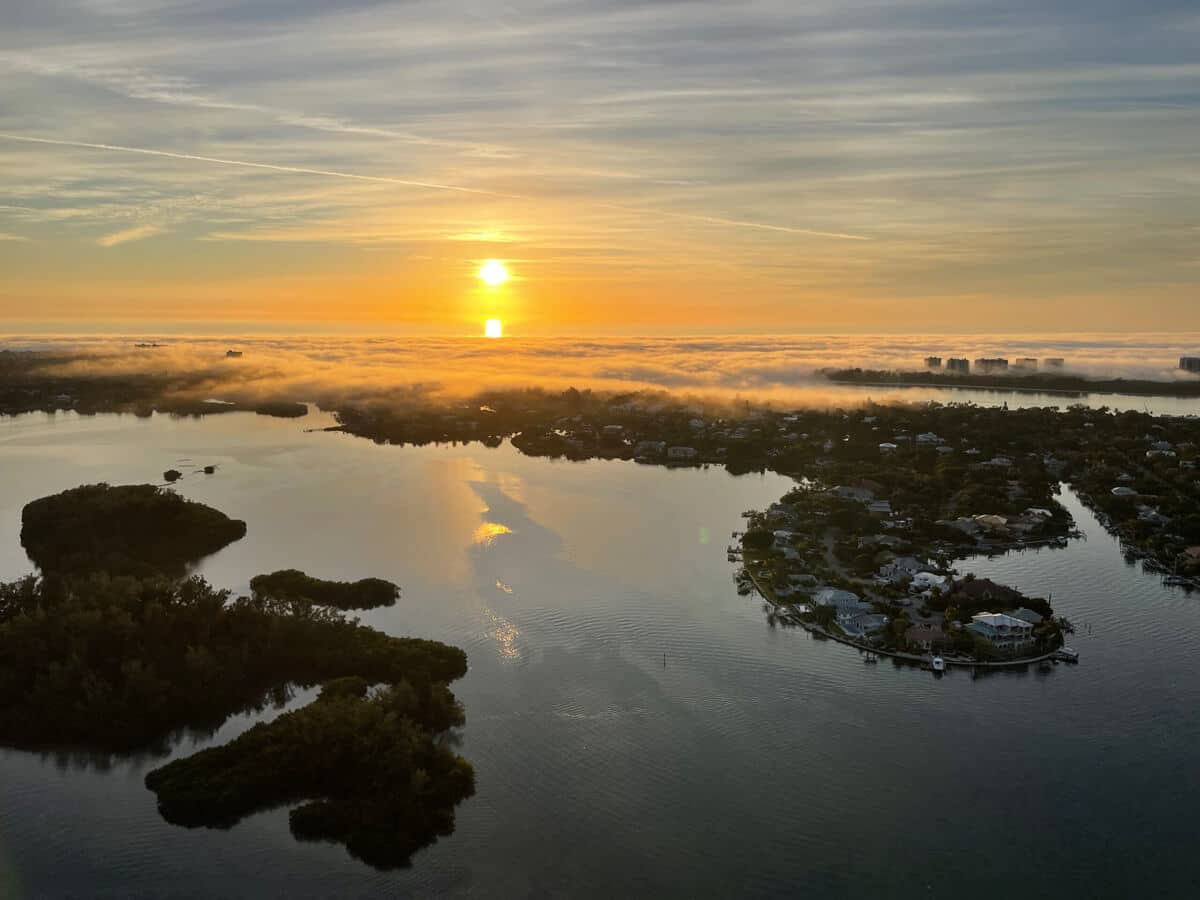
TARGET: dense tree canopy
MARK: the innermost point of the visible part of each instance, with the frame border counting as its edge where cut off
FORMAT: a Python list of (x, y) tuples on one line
[(136, 529), (366, 593), (118, 663), (368, 765)]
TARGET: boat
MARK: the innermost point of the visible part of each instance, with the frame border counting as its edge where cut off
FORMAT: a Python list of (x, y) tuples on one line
[(939, 664), (1067, 654), (1176, 581)]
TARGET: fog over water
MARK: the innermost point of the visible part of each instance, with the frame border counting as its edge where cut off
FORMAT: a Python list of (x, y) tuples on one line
[(638, 729), (780, 369)]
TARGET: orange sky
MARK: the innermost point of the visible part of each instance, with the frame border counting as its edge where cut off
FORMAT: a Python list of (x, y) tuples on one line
[(740, 170)]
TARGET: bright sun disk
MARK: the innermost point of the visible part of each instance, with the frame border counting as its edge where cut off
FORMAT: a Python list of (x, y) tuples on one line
[(493, 272), (493, 328)]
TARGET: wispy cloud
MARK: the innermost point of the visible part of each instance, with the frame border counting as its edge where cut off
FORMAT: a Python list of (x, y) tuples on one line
[(5, 236), (1029, 153), (128, 235)]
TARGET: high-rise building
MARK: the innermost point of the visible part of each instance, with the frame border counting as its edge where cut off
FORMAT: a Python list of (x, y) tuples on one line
[(990, 365), (1190, 363), (1054, 362), (959, 366), (933, 362), (1026, 363)]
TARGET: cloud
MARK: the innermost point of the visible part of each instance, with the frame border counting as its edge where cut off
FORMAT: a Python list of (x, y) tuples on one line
[(5, 236), (136, 233)]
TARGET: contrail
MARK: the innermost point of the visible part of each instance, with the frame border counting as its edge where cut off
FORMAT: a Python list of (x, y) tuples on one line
[(429, 185)]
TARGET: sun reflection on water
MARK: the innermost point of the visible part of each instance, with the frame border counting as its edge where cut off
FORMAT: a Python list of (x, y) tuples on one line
[(505, 634), (487, 532)]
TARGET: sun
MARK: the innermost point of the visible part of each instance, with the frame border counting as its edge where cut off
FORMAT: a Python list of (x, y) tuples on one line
[(493, 328), (493, 272)]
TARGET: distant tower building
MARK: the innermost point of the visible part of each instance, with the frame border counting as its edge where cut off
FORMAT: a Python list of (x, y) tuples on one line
[(1054, 362), (991, 365), (1190, 364), (959, 366), (1027, 363), (933, 362)]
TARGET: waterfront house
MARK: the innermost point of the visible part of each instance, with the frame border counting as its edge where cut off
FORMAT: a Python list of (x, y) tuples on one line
[(1006, 633), (1124, 491), (879, 508), (924, 637), (681, 453), (862, 624)]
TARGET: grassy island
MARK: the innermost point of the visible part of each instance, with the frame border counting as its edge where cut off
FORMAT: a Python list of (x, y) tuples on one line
[(136, 529), (366, 593)]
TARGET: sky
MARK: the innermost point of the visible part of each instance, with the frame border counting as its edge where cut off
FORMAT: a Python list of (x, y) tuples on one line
[(642, 166)]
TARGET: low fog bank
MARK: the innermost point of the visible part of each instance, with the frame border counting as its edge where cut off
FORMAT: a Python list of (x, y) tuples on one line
[(399, 372)]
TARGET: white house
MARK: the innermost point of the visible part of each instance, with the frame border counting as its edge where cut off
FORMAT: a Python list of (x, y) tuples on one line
[(681, 453), (925, 581), (1006, 633)]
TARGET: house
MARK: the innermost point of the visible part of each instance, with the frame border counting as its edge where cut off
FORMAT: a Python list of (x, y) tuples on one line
[(646, 449), (846, 605), (902, 567), (927, 581), (612, 431), (1123, 491), (681, 453), (924, 637), (880, 508), (863, 624), (887, 447), (1004, 632), (929, 439)]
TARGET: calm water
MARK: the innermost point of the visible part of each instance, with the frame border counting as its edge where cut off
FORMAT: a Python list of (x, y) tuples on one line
[(752, 762)]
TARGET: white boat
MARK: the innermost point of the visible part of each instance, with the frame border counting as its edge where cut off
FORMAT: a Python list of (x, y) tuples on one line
[(1067, 654), (939, 664)]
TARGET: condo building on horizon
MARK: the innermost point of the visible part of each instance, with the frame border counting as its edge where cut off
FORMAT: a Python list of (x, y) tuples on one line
[(990, 365), (958, 366), (1190, 364), (933, 362)]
